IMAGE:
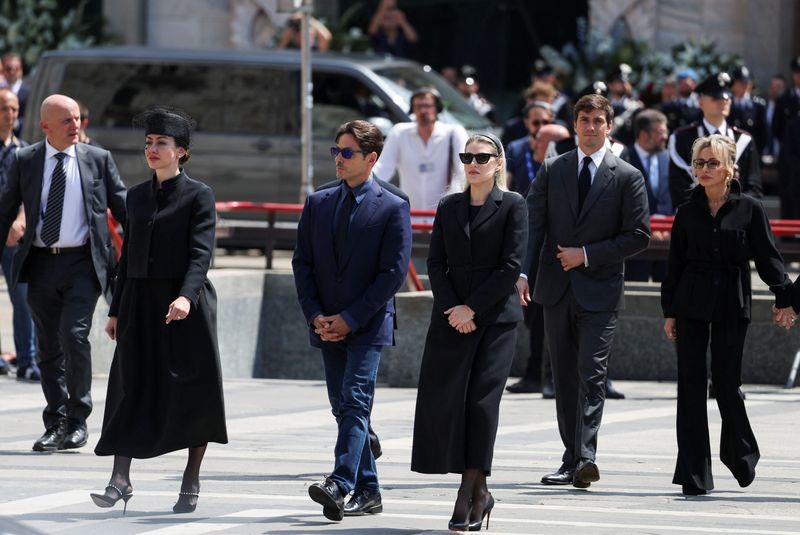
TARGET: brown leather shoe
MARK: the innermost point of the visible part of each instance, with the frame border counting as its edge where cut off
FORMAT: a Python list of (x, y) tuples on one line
[(586, 473)]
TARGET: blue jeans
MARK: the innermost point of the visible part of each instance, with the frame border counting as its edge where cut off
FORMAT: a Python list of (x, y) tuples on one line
[(350, 373), (24, 335)]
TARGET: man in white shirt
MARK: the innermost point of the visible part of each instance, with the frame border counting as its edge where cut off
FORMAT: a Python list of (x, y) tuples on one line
[(424, 153)]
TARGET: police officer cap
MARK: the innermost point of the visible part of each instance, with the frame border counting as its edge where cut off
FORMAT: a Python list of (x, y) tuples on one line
[(541, 68), (622, 72), (795, 64), (166, 122), (716, 86), (741, 74), (596, 88)]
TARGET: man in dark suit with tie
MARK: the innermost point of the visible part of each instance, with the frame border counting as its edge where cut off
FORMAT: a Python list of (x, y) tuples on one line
[(649, 155), (66, 257), (587, 213), (352, 253)]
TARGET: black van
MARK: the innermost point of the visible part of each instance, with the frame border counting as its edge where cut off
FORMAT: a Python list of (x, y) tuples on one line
[(246, 103)]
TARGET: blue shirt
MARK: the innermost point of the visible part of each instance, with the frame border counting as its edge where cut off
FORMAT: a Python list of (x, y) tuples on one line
[(521, 165)]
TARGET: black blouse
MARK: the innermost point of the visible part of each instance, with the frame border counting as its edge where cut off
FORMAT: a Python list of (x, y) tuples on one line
[(708, 275)]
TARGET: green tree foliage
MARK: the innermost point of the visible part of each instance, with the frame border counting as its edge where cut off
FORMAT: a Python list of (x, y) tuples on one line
[(595, 54), (31, 27)]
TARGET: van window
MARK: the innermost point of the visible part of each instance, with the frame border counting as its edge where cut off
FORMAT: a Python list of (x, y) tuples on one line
[(221, 98), (339, 98)]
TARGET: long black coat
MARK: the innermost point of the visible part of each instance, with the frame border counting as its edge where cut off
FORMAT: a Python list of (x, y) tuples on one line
[(462, 376), (165, 384)]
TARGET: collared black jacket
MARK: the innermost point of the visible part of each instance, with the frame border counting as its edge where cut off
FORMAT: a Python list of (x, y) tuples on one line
[(170, 235), (708, 276)]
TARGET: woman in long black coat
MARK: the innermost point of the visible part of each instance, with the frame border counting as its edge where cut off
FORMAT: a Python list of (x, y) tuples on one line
[(706, 295), (476, 252), (165, 385)]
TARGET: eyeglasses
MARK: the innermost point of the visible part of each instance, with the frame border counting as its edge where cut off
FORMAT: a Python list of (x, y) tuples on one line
[(711, 164), (481, 157), (346, 153)]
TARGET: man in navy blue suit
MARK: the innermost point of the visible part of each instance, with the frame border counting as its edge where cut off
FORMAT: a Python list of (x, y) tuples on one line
[(650, 156), (352, 254)]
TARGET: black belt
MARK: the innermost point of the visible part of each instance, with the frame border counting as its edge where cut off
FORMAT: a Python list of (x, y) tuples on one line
[(85, 248)]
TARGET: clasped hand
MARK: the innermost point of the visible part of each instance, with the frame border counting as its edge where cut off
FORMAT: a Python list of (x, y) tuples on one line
[(461, 318), (331, 328), (784, 317)]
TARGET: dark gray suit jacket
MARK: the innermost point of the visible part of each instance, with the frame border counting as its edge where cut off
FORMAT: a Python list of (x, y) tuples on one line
[(613, 225), (102, 189)]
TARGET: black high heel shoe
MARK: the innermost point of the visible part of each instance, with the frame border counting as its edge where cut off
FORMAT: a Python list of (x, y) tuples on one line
[(106, 500), (186, 507), (487, 513), (457, 524)]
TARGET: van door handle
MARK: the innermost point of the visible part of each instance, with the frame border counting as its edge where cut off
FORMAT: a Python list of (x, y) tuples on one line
[(262, 145)]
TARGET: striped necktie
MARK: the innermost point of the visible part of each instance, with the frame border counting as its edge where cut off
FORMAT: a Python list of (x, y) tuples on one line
[(51, 226)]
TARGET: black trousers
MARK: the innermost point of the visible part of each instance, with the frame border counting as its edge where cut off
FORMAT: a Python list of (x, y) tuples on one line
[(62, 294), (538, 368), (738, 448), (579, 341)]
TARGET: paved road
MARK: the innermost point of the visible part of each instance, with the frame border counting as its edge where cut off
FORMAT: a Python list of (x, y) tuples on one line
[(281, 440)]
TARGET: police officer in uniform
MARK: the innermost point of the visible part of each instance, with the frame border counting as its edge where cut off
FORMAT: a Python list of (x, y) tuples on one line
[(684, 109), (715, 103), (788, 106), (748, 112), (786, 129)]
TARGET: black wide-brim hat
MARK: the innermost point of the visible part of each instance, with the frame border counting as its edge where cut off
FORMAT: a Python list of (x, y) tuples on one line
[(167, 122)]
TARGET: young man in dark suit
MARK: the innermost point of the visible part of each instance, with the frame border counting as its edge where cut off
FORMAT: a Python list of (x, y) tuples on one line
[(66, 257), (576, 255), (353, 248)]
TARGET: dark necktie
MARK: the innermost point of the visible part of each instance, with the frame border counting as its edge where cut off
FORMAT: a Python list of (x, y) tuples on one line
[(340, 238), (51, 226), (584, 182)]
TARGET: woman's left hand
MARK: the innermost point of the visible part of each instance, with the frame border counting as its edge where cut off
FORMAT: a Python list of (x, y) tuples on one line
[(178, 309), (459, 315)]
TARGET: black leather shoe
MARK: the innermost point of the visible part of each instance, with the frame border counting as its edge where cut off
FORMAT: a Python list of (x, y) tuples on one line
[(525, 386), (548, 390), (691, 490), (585, 474), (52, 440), (75, 439), (563, 476), (329, 496), (611, 392), (364, 502)]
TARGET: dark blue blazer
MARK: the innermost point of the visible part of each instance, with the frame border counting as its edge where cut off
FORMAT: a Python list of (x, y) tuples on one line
[(373, 268), (660, 201)]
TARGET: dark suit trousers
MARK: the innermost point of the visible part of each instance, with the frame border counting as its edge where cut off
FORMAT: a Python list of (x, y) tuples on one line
[(538, 368), (579, 341), (62, 294), (738, 447)]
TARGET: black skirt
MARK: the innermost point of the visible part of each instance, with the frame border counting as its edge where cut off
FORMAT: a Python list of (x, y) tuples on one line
[(165, 383)]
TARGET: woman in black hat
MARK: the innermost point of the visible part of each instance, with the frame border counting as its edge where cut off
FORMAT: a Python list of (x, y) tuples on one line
[(165, 385), (476, 253)]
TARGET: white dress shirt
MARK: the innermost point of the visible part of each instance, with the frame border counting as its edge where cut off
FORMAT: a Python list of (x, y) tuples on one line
[(422, 167), (74, 228), (722, 130)]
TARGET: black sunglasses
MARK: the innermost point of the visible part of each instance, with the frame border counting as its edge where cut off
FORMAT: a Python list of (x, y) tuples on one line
[(346, 153), (481, 157)]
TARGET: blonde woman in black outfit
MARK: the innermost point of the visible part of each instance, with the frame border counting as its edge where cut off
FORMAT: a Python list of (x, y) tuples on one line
[(706, 296), (165, 385), (477, 249)]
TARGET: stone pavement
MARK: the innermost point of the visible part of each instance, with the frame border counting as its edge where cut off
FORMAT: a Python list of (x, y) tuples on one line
[(282, 437)]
